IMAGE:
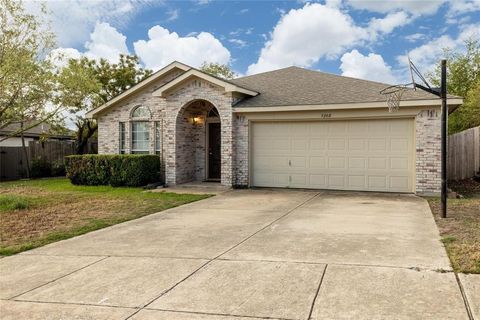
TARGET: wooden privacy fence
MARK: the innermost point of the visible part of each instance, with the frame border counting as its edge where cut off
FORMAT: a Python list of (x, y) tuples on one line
[(13, 164), (464, 154)]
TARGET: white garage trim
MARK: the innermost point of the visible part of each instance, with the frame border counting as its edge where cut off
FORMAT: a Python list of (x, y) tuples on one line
[(335, 163)]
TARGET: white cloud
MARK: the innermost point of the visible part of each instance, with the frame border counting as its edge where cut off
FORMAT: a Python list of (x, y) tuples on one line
[(164, 46), (463, 6), (388, 23), (305, 35), (370, 67), (243, 11), (203, 2), (415, 7), (105, 42), (173, 15), (72, 21), (60, 56), (415, 37), (428, 55), (240, 43)]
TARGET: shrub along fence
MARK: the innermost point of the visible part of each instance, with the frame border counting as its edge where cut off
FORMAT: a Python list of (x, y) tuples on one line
[(464, 154), (115, 170), (42, 157)]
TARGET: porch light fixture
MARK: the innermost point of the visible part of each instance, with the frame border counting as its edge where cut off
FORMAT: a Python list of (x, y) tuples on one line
[(195, 119)]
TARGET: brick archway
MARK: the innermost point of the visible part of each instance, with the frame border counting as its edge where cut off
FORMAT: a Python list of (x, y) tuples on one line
[(191, 140)]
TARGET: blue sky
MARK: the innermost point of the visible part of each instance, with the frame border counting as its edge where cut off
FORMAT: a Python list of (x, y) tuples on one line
[(364, 39)]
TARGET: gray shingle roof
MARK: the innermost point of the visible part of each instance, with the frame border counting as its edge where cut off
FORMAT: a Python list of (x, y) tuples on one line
[(298, 86)]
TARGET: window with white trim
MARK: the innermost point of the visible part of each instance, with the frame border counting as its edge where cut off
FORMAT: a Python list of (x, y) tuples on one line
[(158, 137), (140, 137), (122, 137), (140, 126)]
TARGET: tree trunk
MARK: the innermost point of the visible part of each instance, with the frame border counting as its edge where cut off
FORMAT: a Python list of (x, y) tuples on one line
[(25, 153), (86, 129)]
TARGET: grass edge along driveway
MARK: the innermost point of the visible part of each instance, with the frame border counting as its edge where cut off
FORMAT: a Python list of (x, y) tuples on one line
[(34, 213)]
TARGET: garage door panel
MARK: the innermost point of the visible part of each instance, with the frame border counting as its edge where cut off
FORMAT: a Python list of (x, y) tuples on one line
[(317, 146), (317, 162), (399, 163), (377, 163), (375, 145), (357, 145), (357, 163), (298, 163), (318, 180), (300, 145), (336, 144), (336, 181), (375, 155), (336, 163), (399, 183), (377, 182), (357, 181)]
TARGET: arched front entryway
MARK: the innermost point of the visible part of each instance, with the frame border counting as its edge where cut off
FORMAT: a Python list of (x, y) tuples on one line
[(198, 143)]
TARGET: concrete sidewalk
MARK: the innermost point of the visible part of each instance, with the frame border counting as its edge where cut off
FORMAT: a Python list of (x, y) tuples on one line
[(276, 254)]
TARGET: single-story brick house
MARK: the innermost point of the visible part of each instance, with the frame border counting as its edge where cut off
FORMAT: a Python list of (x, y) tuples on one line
[(291, 128)]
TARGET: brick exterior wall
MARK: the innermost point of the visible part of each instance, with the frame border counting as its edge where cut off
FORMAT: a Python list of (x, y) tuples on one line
[(428, 148), (241, 151)]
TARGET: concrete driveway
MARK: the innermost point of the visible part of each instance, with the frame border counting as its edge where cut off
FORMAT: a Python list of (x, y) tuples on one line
[(279, 254)]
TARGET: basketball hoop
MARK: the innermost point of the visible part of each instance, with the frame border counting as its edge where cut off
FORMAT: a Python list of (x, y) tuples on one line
[(394, 95)]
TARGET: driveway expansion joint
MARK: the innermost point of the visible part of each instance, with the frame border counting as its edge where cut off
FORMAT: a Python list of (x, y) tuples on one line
[(56, 279), (74, 304), (317, 292), (218, 314)]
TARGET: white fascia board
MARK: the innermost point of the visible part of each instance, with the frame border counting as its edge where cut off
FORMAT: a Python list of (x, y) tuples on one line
[(362, 105)]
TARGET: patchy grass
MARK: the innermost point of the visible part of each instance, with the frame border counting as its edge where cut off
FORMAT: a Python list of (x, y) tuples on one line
[(460, 231), (12, 202), (34, 213)]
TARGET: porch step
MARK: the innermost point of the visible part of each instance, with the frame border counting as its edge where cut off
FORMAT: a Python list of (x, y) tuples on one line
[(195, 187)]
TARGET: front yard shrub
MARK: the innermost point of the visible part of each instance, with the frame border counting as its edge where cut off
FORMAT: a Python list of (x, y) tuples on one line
[(40, 168), (115, 170), (58, 169)]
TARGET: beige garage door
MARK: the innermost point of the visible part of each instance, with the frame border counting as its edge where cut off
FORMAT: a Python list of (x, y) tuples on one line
[(372, 155)]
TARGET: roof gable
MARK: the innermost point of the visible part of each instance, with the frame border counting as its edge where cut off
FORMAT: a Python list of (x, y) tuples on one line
[(194, 73), (146, 82)]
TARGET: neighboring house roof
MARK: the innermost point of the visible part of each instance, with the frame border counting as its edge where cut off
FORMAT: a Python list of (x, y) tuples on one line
[(35, 132), (295, 86)]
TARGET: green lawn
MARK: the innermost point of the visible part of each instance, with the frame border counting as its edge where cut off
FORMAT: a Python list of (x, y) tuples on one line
[(460, 231), (34, 213)]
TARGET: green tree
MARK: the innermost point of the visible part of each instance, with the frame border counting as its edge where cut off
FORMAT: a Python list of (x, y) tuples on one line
[(86, 84), (26, 78), (218, 70), (463, 79), (27, 81)]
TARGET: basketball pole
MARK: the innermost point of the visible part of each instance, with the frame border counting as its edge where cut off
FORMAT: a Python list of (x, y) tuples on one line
[(443, 95)]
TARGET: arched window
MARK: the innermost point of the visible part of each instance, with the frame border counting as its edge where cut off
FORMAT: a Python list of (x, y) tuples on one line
[(140, 129), (141, 112), (213, 113)]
